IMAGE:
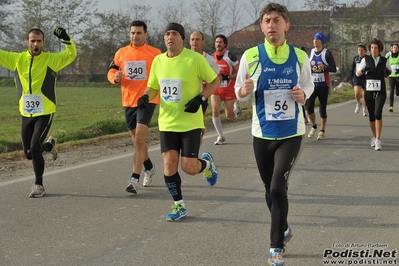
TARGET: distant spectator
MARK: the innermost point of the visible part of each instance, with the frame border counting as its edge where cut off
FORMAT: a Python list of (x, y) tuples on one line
[(228, 64), (394, 76), (359, 82), (374, 67), (321, 62)]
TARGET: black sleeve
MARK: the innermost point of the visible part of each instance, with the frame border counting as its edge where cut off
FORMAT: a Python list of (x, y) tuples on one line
[(387, 72), (113, 66), (353, 67), (331, 62), (232, 57)]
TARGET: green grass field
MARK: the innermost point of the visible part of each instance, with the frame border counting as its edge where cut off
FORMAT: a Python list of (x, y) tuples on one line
[(88, 112), (81, 113)]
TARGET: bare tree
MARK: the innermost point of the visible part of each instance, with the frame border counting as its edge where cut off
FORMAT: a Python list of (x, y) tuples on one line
[(253, 8), (4, 15), (289, 4), (108, 32), (211, 14), (172, 12), (49, 14), (28, 15), (234, 14), (320, 5), (136, 10)]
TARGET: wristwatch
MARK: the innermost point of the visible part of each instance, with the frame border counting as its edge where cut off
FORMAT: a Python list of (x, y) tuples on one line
[(203, 98)]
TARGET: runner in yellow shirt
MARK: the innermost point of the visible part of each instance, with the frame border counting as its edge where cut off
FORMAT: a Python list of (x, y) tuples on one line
[(177, 75)]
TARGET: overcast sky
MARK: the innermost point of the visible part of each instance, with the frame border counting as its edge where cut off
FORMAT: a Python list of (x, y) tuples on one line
[(116, 5), (104, 5)]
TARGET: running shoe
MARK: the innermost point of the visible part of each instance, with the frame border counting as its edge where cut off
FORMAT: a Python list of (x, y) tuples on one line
[(37, 191), (321, 135), (220, 141), (147, 182), (357, 108), (288, 235), (54, 151), (390, 109), (276, 257), (365, 113), (311, 132), (178, 212), (237, 110), (378, 146), (372, 142), (133, 186), (210, 173)]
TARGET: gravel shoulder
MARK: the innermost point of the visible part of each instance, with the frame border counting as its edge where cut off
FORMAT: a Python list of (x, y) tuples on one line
[(15, 165)]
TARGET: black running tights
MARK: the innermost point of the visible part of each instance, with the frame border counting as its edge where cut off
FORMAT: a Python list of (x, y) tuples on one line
[(33, 133), (275, 159)]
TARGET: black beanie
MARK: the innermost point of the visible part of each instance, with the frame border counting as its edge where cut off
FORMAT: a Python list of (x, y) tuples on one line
[(177, 27)]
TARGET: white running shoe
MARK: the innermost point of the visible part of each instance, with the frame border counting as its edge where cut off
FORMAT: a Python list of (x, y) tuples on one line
[(365, 113), (133, 186), (220, 141), (321, 135), (378, 146), (276, 257), (54, 151), (311, 132), (37, 191), (372, 142), (148, 176), (288, 235), (357, 108), (237, 110)]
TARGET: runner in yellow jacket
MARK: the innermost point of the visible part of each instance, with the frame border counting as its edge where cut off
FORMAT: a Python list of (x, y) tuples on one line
[(35, 79)]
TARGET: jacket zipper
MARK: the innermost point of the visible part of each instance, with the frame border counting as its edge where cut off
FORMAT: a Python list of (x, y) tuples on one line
[(30, 78)]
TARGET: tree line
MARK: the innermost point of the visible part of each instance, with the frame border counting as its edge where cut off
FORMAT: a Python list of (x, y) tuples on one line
[(99, 34)]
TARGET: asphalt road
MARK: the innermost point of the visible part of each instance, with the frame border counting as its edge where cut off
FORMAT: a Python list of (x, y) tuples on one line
[(343, 195)]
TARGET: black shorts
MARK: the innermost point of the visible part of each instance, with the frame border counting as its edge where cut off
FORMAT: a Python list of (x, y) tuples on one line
[(359, 82), (188, 143), (143, 116)]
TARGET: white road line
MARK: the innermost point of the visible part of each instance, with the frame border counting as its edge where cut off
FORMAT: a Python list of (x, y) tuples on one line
[(113, 158), (66, 169)]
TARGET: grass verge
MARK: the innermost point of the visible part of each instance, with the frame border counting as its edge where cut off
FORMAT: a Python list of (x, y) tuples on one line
[(86, 113)]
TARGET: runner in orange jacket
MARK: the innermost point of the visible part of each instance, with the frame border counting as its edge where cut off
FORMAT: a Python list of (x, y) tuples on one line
[(131, 68)]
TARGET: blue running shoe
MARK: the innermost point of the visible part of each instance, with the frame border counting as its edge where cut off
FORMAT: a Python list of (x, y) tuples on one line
[(288, 235), (276, 257), (211, 174), (177, 213)]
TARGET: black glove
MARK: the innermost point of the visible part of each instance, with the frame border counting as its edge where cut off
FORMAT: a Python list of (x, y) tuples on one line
[(387, 72), (366, 69), (143, 101), (193, 105), (224, 77), (61, 34)]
